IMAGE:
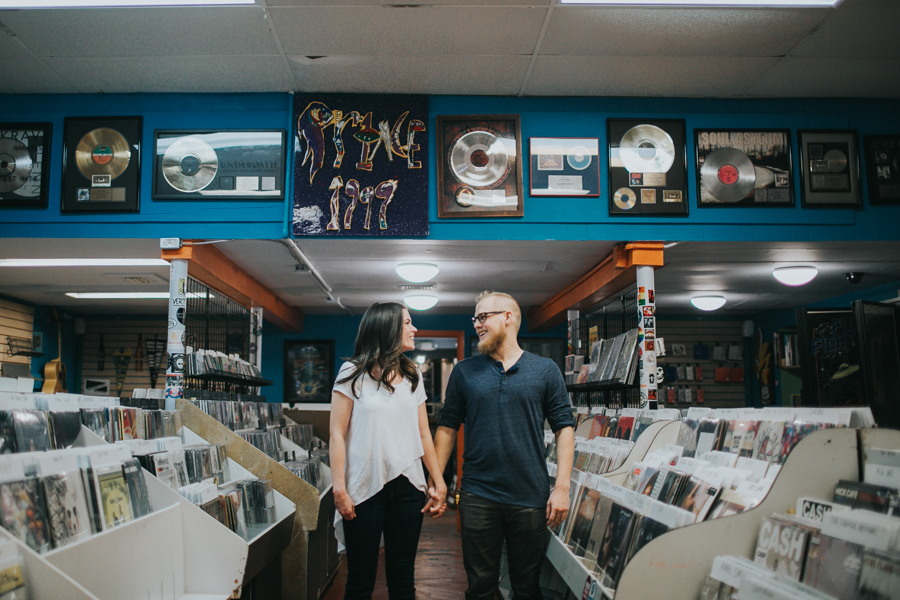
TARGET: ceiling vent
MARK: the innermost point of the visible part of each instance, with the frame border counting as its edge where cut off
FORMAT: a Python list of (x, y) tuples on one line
[(418, 288)]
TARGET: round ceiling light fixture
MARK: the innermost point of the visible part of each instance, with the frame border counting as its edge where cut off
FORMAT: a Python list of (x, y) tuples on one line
[(708, 302), (795, 276), (420, 302), (417, 272)]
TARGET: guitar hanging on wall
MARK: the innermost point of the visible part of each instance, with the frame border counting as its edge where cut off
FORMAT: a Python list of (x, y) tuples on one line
[(55, 370)]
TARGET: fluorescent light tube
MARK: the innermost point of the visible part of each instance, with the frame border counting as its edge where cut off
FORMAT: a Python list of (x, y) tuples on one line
[(719, 3), (83, 262), (129, 295), (116, 3)]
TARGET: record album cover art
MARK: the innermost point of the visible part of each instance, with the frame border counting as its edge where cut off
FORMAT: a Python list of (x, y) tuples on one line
[(101, 164), (32, 430), (137, 487), (615, 544), (749, 167), (647, 167), (113, 495), (24, 162), (22, 510), (361, 165), (67, 508)]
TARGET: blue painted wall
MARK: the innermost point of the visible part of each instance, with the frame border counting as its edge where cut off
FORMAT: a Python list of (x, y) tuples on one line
[(545, 218)]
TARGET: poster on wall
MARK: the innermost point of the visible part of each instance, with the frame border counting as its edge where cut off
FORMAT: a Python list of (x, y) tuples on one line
[(745, 167), (647, 167), (218, 164), (360, 165), (101, 164), (883, 166), (24, 159), (308, 371)]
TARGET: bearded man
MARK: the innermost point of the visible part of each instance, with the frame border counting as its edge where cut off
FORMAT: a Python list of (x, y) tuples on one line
[(503, 397)]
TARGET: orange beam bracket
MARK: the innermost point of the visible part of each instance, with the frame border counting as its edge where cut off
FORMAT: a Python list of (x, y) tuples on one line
[(209, 266), (611, 276)]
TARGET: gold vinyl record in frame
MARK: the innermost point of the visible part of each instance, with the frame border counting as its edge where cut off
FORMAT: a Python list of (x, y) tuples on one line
[(102, 151)]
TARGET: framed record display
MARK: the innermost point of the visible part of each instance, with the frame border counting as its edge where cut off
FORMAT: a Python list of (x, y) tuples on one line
[(360, 165), (308, 370), (883, 167), (564, 166), (743, 167), (479, 166), (220, 165), (24, 159), (829, 168), (101, 164), (647, 167)]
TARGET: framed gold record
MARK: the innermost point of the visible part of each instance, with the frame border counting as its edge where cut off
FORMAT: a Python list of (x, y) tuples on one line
[(479, 166), (647, 167), (24, 161), (101, 164), (829, 168)]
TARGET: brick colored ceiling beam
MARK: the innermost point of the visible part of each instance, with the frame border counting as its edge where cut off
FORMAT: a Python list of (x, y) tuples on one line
[(611, 276), (209, 266)]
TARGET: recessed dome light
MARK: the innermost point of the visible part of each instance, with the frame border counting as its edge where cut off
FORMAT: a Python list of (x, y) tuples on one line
[(795, 276), (708, 302), (420, 302), (417, 272)]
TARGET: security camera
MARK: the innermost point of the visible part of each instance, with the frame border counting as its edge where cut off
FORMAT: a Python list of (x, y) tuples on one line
[(854, 277)]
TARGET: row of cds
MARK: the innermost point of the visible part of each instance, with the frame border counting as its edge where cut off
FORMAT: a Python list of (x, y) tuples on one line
[(211, 362), (243, 415), (268, 442)]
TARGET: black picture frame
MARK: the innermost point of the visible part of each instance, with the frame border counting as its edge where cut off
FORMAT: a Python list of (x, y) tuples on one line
[(101, 164), (461, 198), (883, 168), (754, 164), (829, 357), (218, 164), (308, 371), (25, 185), (564, 167), (829, 181), (653, 144)]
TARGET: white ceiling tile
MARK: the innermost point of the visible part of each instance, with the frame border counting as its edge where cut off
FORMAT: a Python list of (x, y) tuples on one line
[(579, 30), (496, 75), (143, 32), (830, 78), (427, 30), (204, 74), (683, 77), (857, 29), (31, 76)]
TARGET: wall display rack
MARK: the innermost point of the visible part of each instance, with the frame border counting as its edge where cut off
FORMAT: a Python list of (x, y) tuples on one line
[(675, 564)]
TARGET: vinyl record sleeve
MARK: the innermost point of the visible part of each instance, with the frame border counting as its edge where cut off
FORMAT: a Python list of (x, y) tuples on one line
[(767, 151), (22, 510), (615, 544), (833, 566), (137, 487), (113, 496), (583, 520), (32, 430), (68, 514), (656, 193)]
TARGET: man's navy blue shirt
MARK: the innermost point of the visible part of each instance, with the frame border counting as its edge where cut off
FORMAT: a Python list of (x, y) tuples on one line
[(504, 413)]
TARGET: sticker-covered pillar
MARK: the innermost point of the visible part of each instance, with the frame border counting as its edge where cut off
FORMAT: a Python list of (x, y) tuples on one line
[(646, 306), (175, 340)]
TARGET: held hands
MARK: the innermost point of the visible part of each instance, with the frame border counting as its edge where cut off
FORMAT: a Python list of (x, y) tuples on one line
[(437, 499), (344, 505), (557, 506)]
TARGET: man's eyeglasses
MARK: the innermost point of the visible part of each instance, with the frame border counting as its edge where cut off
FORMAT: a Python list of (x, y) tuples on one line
[(482, 317)]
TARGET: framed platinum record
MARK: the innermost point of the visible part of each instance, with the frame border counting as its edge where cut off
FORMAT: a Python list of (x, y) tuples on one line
[(218, 164)]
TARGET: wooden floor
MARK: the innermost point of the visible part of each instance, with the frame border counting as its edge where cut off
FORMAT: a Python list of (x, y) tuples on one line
[(439, 566)]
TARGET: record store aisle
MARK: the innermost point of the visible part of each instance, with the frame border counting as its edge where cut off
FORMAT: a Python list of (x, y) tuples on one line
[(439, 565)]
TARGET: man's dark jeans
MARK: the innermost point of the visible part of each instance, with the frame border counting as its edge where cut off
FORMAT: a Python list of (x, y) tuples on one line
[(485, 524), (394, 511)]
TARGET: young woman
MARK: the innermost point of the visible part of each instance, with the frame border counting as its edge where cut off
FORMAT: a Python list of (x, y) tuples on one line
[(379, 440)]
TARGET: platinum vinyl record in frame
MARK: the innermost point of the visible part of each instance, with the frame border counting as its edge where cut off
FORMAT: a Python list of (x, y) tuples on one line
[(647, 162), (24, 160), (744, 167), (219, 164), (829, 168), (564, 166)]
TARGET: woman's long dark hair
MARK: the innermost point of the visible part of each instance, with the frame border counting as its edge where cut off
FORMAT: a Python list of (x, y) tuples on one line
[(379, 342)]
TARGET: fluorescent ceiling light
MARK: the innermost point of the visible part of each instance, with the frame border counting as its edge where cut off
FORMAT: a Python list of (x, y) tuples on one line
[(83, 262), (795, 276), (420, 302), (417, 272), (129, 295), (722, 3), (115, 3), (708, 302)]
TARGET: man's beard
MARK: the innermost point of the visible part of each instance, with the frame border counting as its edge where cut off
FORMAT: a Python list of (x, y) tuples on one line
[(492, 342)]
